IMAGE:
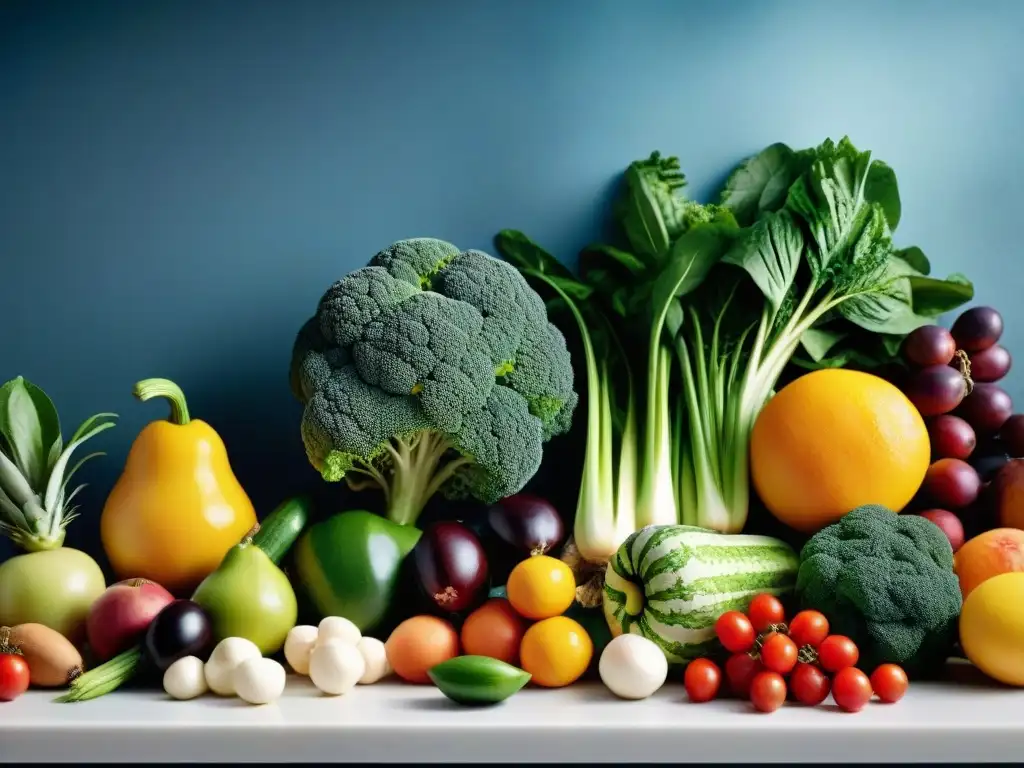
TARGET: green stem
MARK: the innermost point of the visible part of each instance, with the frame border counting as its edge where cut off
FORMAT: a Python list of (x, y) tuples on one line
[(105, 678), (417, 474), (147, 389)]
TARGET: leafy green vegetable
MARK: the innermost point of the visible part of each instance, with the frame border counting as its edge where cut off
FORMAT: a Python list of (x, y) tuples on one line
[(794, 266)]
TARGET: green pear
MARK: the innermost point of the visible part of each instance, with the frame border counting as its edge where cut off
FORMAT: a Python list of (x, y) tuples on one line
[(249, 596)]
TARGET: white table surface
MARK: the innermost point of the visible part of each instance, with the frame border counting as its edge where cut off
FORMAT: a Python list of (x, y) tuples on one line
[(392, 722)]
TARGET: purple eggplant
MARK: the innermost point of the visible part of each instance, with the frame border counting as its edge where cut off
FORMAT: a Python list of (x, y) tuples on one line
[(529, 524), (451, 567)]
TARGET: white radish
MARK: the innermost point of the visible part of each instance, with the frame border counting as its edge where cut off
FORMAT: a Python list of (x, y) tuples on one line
[(259, 680), (185, 679), (338, 628), (375, 659), (297, 647), (220, 668), (335, 667), (633, 667)]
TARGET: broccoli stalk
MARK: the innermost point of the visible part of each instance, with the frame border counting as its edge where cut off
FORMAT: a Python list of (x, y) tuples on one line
[(417, 467)]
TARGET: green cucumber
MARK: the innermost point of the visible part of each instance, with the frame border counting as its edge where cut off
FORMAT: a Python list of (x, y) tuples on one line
[(477, 680), (282, 527)]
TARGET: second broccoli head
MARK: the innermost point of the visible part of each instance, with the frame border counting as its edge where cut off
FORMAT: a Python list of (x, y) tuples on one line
[(431, 370)]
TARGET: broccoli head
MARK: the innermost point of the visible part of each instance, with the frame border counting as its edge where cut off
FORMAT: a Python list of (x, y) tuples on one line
[(886, 581), (431, 370)]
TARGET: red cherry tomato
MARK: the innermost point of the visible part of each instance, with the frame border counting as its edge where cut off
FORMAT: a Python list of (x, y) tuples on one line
[(767, 691), (851, 689), (808, 628), (735, 632), (739, 671), (13, 676), (702, 679), (765, 610), (778, 653), (889, 682), (809, 684), (837, 652)]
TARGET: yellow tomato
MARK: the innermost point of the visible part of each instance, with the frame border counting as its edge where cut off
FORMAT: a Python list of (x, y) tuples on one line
[(541, 587), (992, 627), (556, 651)]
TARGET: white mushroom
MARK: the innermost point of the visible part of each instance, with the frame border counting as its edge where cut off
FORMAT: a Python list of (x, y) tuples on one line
[(185, 679), (335, 667), (633, 667), (259, 680), (297, 646), (338, 628), (220, 668), (375, 659)]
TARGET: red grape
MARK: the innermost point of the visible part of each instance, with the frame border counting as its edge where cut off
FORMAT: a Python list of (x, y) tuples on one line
[(990, 364), (1012, 435), (949, 524), (929, 345), (986, 409), (952, 437), (978, 328), (936, 389), (952, 483)]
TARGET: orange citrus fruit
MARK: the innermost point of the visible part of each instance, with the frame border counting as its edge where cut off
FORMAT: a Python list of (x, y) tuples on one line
[(541, 587), (556, 651), (833, 440), (494, 629)]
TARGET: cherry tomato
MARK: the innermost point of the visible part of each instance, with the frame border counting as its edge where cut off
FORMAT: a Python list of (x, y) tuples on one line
[(767, 691), (837, 652), (778, 653), (702, 679), (851, 689), (13, 676), (765, 610), (735, 632), (889, 682), (809, 684), (808, 628), (739, 671)]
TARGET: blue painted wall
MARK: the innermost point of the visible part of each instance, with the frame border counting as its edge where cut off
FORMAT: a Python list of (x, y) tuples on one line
[(180, 181)]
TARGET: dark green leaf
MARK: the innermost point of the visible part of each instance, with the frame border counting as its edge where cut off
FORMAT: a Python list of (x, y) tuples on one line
[(693, 256), (915, 257), (607, 256), (932, 297), (818, 342), (527, 256), (649, 209), (881, 188), (30, 426), (760, 183), (770, 251), (885, 304)]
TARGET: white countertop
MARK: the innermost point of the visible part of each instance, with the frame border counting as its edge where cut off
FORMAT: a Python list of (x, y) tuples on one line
[(392, 722)]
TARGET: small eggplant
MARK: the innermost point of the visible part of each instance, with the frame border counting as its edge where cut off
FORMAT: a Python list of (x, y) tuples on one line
[(529, 524), (181, 629), (451, 567)]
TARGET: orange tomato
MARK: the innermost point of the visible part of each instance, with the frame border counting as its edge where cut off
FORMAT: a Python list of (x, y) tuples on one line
[(833, 440), (177, 508), (419, 644), (494, 629), (541, 587), (556, 651)]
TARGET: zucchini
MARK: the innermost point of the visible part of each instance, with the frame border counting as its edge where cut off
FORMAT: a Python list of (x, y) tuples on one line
[(282, 527)]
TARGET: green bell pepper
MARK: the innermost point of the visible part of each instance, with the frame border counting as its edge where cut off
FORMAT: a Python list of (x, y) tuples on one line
[(351, 565)]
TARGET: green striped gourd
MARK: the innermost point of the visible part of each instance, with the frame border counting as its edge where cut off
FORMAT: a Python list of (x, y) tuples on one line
[(670, 583)]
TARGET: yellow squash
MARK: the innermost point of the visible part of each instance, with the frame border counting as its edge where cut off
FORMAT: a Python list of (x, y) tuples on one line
[(177, 508)]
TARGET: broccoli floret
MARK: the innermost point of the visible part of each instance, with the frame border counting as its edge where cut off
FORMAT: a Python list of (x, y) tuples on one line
[(886, 581), (431, 370)]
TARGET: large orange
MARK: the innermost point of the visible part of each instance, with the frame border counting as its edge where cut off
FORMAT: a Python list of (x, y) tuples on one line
[(833, 440)]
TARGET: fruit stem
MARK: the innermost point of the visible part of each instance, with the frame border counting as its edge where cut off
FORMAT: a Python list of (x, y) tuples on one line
[(147, 389), (247, 539), (963, 364)]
